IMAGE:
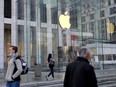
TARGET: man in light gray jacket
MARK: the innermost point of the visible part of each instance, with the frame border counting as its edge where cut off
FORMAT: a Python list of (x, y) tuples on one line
[(13, 70)]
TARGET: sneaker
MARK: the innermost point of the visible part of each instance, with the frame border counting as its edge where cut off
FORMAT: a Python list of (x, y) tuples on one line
[(46, 77), (53, 78)]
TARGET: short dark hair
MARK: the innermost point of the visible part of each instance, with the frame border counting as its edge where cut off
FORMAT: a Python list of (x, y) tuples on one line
[(14, 48)]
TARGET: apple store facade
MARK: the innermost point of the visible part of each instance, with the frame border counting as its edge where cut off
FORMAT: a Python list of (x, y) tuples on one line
[(37, 29)]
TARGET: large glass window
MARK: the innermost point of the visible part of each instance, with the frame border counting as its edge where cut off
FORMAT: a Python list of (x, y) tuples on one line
[(112, 19), (33, 45), (54, 15), (88, 25), (7, 8), (84, 27), (114, 1), (7, 42), (21, 40), (112, 10), (62, 5), (83, 18), (102, 3), (20, 8), (109, 2), (55, 43), (73, 15), (103, 29), (54, 11), (92, 16), (43, 12), (102, 14), (43, 41), (33, 10), (91, 26)]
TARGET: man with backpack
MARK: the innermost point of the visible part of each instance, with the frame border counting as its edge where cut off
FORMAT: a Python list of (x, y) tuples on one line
[(14, 70)]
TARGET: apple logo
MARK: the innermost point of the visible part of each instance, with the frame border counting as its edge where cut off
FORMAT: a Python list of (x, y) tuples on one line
[(110, 27), (64, 20)]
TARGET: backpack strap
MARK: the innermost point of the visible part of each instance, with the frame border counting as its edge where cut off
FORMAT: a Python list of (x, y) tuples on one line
[(15, 66), (18, 57)]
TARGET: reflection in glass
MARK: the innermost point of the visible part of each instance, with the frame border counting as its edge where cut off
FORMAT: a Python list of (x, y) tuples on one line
[(33, 10), (33, 45), (7, 42), (43, 42), (43, 12), (55, 43), (7, 8), (20, 9), (88, 24), (21, 40)]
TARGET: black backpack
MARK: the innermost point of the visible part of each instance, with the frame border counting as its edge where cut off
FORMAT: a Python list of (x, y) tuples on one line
[(24, 65), (52, 62)]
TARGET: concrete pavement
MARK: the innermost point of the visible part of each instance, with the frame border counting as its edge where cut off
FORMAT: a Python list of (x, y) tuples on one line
[(31, 79)]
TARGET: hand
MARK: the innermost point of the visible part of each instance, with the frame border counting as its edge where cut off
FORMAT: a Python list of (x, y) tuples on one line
[(12, 77)]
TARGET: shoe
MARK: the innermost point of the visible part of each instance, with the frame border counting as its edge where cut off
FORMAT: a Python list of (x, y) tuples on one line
[(53, 79), (46, 77)]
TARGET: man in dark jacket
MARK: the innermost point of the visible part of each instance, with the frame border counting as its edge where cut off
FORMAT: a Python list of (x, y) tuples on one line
[(80, 73)]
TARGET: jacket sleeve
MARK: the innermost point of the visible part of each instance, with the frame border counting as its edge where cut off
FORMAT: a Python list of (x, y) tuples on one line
[(19, 68), (91, 77), (66, 77)]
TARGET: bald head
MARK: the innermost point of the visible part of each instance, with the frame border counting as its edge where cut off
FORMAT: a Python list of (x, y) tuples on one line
[(85, 52)]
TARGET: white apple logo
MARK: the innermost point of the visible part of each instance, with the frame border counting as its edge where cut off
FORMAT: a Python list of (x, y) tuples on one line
[(64, 20), (110, 27)]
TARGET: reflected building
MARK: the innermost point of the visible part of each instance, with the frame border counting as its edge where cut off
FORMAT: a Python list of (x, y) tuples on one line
[(33, 26)]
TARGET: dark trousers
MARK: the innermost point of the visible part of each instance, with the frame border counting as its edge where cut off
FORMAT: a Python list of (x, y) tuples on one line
[(51, 71)]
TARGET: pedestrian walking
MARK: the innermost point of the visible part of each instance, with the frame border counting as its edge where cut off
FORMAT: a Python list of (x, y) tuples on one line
[(51, 63), (80, 73), (13, 72)]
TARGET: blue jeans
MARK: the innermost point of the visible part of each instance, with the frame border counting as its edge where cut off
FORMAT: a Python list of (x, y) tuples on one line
[(13, 84)]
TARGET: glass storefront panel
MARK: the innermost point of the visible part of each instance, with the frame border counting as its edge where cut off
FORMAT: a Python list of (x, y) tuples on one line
[(43, 11), (21, 40), (7, 41), (20, 8), (33, 45), (7, 8), (32, 10), (55, 45), (88, 28), (43, 45)]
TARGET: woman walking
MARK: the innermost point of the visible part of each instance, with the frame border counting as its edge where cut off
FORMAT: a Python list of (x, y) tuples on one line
[(51, 63)]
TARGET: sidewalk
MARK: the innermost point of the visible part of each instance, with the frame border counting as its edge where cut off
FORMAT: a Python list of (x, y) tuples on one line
[(30, 77), (105, 72)]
